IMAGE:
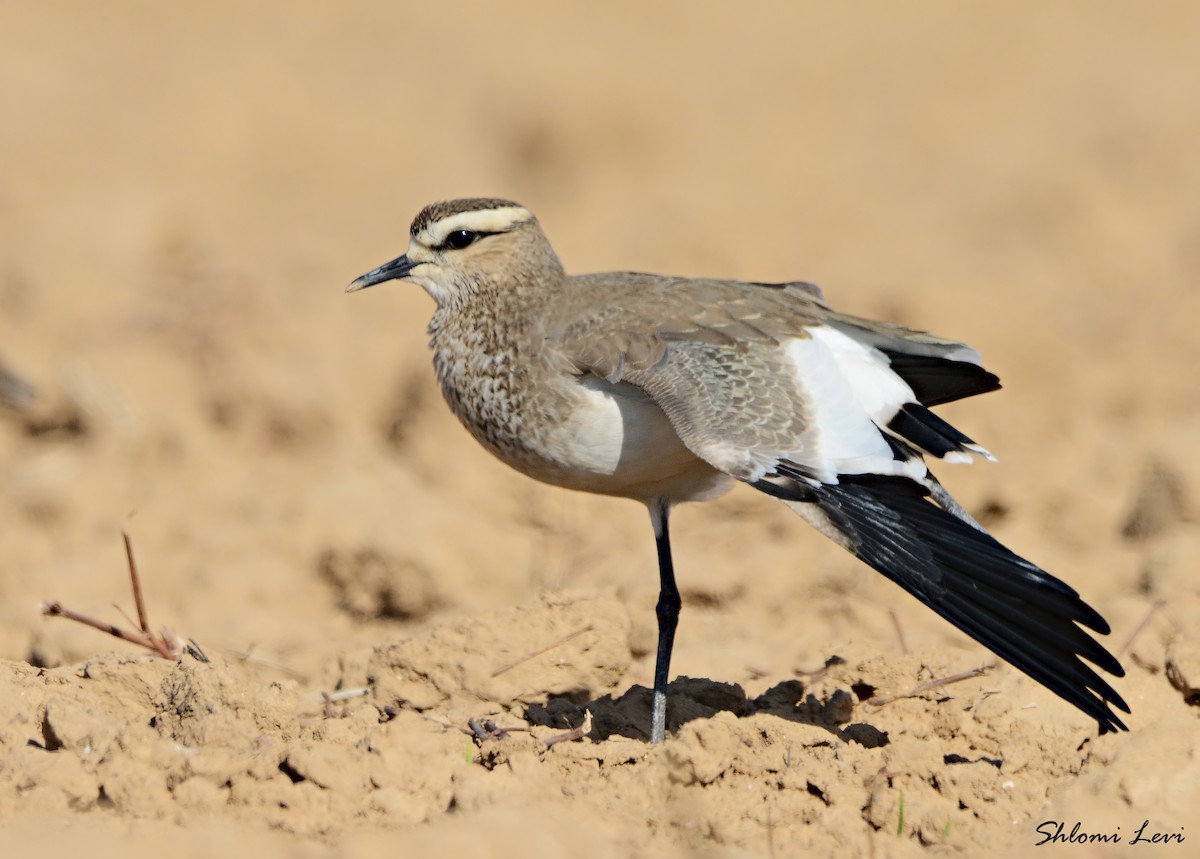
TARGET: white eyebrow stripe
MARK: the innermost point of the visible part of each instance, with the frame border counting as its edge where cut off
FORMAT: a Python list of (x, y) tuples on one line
[(482, 221)]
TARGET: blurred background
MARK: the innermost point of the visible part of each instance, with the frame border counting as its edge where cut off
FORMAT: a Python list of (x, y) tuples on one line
[(186, 189)]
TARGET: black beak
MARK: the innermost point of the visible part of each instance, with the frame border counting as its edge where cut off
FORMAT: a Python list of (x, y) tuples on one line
[(397, 269)]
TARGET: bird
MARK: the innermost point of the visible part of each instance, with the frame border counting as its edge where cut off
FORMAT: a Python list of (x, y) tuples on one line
[(669, 389)]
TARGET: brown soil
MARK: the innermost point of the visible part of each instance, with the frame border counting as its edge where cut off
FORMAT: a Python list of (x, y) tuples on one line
[(189, 187)]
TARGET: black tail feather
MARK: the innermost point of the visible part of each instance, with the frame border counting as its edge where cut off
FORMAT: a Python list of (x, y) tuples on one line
[(941, 380), (921, 427), (1017, 610)]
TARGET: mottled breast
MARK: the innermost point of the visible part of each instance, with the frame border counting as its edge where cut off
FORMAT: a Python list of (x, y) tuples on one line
[(579, 432)]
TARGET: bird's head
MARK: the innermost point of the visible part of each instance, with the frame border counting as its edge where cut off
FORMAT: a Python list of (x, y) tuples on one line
[(458, 246)]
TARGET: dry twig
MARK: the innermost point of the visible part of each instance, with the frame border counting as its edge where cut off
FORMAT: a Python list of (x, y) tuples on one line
[(937, 682), (535, 653), (899, 631), (165, 644), (953, 678), (1154, 609), (479, 729), (575, 733), (328, 699)]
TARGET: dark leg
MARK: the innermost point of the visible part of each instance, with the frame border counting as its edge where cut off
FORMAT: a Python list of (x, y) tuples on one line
[(668, 618)]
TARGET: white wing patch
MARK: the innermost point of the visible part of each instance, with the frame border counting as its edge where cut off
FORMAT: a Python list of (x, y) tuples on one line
[(869, 374), (850, 393)]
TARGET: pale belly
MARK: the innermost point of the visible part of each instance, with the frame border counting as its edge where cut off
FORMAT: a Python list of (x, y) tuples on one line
[(612, 440)]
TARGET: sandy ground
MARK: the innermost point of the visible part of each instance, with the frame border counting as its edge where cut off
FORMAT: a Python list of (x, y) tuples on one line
[(186, 190)]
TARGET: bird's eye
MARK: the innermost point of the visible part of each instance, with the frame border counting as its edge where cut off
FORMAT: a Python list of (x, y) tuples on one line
[(459, 239)]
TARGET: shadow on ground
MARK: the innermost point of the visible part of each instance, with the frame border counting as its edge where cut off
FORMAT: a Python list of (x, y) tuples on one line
[(690, 698)]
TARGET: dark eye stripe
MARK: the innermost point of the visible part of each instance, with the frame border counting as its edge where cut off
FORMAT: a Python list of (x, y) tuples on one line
[(460, 239)]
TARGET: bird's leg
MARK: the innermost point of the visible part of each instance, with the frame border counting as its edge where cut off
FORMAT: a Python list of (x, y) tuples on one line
[(668, 618)]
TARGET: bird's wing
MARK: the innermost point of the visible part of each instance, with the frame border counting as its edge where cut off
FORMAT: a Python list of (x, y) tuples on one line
[(829, 413), (751, 375)]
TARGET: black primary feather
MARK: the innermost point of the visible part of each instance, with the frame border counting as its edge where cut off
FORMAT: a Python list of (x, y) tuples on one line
[(1017, 610), (927, 431), (941, 380)]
